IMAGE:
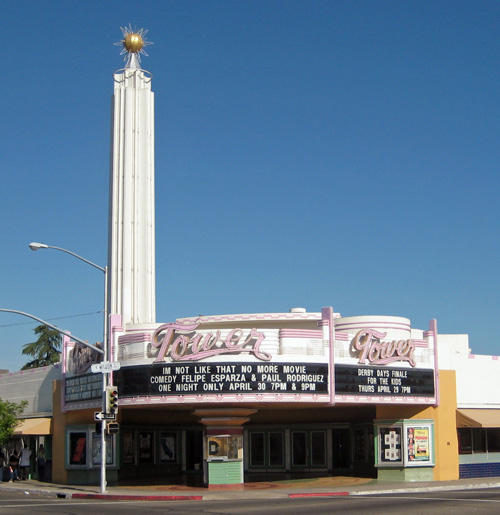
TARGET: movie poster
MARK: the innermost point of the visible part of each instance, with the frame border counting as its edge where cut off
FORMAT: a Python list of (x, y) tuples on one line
[(418, 444)]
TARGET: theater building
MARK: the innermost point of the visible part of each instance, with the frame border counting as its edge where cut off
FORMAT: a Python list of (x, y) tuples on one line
[(221, 400)]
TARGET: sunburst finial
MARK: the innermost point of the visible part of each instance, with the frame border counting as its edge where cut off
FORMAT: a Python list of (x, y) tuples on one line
[(133, 44)]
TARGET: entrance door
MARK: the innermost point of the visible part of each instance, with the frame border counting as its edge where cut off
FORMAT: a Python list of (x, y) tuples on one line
[(308, 450), (194, 451), (341, 448)]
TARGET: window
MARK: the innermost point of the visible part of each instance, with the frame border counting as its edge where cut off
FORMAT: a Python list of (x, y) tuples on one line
[(78, 448), (493, 438), (464, 440)]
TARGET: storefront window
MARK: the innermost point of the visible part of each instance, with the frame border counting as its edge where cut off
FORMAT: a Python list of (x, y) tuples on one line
[(493, 438), (464, 440), (479, 440)]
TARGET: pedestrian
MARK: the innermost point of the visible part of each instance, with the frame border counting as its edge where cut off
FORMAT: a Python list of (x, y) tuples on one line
[(24, 462), (2, 463), (14, 467), (40, 459)]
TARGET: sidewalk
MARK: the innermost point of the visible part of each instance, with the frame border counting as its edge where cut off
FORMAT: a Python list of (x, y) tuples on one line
[(324, 487)]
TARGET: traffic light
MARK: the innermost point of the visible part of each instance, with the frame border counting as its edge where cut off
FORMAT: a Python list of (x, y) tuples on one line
[(112, 399)]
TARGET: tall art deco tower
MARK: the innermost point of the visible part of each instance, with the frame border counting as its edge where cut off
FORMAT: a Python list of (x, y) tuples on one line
[(131, 260)]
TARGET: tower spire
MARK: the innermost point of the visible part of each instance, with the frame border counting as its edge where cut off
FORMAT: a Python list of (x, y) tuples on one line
[(131, 261)]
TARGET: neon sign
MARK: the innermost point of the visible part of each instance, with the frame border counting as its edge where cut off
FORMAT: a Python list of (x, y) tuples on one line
[(182, 343), (377, 352)]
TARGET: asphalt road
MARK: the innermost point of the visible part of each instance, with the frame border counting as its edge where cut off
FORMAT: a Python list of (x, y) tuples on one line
[(458, 502)]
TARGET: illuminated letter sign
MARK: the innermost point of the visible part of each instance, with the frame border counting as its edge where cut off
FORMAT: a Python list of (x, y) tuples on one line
[(184, 344)]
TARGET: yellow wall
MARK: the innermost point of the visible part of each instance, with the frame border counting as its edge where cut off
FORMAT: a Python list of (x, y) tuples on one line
[(61, 420), (59, 474), (445, 426)]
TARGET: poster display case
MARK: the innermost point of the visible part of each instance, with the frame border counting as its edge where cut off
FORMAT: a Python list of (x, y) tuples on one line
[(404, 443)]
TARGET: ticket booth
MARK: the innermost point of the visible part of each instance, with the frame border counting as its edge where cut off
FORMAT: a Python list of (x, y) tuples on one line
[(224, 458), (223, 446)]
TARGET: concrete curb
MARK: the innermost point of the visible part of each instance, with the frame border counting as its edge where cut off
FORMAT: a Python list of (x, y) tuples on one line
[(120, 497), (62, 493)]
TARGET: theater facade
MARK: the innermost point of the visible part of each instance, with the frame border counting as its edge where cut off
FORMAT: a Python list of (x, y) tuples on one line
[(221, 400)]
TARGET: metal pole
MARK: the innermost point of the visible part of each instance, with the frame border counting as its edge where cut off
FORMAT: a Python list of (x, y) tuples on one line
[(44, 322), (105, 345)]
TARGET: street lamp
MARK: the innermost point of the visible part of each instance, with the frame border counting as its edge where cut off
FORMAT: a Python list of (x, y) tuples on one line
[(37, 246)]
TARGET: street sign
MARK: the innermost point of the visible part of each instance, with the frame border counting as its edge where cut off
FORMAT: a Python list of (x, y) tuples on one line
[(105, 367), (99, 415)]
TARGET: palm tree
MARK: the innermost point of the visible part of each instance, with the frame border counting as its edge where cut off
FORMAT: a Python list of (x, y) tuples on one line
[(46, 350)]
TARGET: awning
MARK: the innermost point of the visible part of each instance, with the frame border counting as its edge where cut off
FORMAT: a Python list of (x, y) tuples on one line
[(34, 426), (478, 417)]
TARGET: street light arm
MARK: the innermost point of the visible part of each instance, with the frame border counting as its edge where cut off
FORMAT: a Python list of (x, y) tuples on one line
[(36, 246), (87, 344)]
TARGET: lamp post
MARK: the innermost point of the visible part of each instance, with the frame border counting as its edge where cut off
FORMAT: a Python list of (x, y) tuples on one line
[(37, 246)]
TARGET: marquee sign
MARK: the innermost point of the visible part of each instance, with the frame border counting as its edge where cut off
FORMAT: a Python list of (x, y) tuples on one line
[(383, 381), (222, 378)]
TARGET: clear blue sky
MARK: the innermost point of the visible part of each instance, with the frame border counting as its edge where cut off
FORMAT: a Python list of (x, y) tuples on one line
[(308, 153)]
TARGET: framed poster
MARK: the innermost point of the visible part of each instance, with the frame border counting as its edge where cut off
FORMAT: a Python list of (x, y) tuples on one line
[(96, 449), (419, 445), (77, 447), (146, 447), (128, 447), (167, 447), (390, 445)]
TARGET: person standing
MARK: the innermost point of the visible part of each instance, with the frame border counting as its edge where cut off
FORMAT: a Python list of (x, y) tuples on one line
[(24, 462), (40, 459), (14, 466), (2, 463)]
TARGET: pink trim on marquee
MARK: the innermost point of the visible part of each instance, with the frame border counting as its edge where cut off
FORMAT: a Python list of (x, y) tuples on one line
[(372, 325), (300, 333)]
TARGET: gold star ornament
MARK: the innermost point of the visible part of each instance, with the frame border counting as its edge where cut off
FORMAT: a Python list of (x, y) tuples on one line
[(133, 42)]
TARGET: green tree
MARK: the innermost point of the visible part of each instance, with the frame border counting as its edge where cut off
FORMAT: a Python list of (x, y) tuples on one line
[(46, 350), (9, 419)]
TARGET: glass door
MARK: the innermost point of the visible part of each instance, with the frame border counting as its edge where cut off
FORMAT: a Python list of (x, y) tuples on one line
[(308, 449)]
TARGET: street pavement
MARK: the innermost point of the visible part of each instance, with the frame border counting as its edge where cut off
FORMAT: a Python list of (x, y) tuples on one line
[(317, 487)]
